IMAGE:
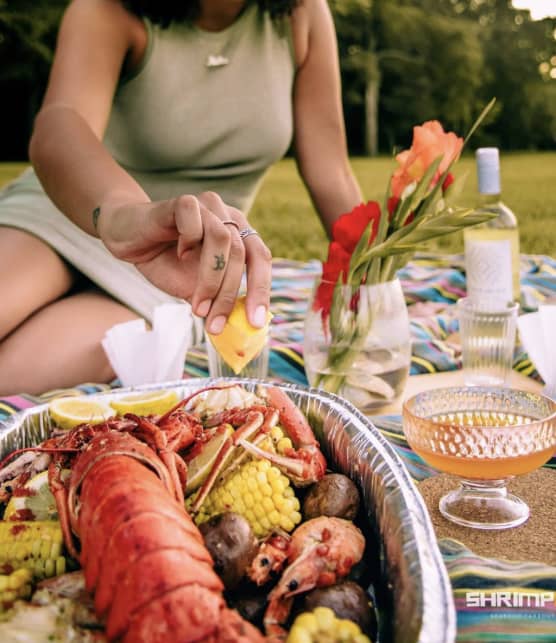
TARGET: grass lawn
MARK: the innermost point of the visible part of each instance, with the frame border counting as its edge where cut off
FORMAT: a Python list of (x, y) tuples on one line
[(284, 216)]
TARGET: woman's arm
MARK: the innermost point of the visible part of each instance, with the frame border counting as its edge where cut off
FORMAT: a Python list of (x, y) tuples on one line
[(320, 139), (181, 245), (66, 150)]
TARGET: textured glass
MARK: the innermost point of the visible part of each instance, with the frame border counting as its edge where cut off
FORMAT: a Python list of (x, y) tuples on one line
[(487, 343), (484, 436)]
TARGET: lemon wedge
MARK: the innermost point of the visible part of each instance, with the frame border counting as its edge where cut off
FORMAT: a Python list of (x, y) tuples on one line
[(200, 466), (36, 502), (240, 342), (67, 412), (148, 403)]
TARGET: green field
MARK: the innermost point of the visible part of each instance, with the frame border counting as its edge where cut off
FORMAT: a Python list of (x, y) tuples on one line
[(285, 218)]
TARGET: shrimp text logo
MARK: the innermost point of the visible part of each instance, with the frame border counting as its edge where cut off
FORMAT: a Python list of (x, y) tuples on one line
[(509, 599)]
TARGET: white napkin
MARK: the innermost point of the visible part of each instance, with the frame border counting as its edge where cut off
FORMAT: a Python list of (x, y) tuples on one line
[(538, 336), (141, 356)]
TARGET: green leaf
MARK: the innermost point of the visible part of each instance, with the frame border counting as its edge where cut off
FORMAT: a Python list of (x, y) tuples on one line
[(479, 120), (455, 189)]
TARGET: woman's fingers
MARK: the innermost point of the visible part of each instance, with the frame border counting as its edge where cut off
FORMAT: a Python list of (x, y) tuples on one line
[(225, 299), (259, 278), (222, 261), (209, 253)]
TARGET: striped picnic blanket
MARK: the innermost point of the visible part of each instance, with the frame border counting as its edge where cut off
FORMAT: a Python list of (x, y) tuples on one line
[(432, 284)]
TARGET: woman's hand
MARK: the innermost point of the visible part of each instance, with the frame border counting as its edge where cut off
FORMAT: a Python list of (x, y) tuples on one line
[(191, 248)]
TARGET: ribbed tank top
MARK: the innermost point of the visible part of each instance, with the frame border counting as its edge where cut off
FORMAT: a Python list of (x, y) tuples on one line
[(182, 126)]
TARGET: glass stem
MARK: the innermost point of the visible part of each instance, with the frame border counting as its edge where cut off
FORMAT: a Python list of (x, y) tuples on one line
[(488, 488)]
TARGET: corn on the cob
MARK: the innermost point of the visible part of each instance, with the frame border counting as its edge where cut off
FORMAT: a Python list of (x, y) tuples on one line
[(36, 546), (13, 586), (258, 491), (323, 626)]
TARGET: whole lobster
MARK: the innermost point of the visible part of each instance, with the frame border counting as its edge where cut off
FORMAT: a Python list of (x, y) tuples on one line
[(142, 555)]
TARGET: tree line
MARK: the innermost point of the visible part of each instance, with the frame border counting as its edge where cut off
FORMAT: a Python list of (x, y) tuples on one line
[(402, 62)]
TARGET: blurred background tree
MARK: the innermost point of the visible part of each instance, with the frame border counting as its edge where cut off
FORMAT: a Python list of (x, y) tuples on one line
[(402, 61), (27, 39)]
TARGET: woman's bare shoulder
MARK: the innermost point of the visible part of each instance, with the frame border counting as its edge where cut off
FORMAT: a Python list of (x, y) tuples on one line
[(109, 14), (308, 17)]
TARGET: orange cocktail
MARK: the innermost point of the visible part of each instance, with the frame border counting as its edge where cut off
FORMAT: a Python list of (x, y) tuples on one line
[(489, 463), (483, 435)]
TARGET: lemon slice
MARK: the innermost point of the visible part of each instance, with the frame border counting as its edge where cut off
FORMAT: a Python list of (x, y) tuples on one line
[(68, 412), (36, 502), (200, 466), (240, 342), (148, 403)]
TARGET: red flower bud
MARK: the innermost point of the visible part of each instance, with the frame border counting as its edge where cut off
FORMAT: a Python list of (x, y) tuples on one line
[(447, 181)]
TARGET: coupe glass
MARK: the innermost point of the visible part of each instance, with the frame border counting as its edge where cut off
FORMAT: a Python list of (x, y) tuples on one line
[(484, 436)]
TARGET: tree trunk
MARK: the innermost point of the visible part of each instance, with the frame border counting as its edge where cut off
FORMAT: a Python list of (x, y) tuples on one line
[(371, 114)]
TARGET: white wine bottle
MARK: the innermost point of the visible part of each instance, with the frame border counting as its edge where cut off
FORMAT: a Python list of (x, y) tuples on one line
[(492, 248)]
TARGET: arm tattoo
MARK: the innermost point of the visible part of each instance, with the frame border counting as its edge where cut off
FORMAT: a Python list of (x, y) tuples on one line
[(219, 262), (96, 215)]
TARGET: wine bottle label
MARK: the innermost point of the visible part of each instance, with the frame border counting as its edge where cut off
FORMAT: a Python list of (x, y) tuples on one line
[(488, 266)]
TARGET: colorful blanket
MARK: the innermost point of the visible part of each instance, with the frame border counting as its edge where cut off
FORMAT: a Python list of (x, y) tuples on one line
[(431, 284)]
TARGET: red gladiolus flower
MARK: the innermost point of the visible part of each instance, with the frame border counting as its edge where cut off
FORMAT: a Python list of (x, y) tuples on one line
[(348, 228), (337, 263)]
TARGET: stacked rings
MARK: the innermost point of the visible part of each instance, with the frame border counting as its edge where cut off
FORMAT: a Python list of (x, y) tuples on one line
[(247, 232)]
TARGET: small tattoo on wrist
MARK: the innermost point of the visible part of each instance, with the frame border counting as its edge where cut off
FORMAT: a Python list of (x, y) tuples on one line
[(96, 215), (219, 262)]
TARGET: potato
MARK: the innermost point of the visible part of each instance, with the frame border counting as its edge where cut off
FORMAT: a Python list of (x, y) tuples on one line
[(334, 495), (232, 545), (347, 600), (251, 605)]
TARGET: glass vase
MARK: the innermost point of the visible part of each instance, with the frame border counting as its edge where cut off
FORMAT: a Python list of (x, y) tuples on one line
[(361, 348)]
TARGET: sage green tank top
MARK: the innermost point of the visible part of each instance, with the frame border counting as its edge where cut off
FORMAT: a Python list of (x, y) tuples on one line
[(206, 110)]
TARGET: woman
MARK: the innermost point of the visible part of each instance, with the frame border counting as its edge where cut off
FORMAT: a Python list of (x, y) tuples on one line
[(159, 121)]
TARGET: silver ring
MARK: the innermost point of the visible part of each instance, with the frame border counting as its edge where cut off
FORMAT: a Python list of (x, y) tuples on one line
[(246, 232), (230, 222)]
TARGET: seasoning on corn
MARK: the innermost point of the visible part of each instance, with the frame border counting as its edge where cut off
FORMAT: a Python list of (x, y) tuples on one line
[(32, 545), (13, 586), (323, 626), (258, 491)]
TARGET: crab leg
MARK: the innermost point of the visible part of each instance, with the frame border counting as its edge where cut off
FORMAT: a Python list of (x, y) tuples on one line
[(252, 425), (305, 463), (304, 466), (185, 401), (158, 441), (60, 493)]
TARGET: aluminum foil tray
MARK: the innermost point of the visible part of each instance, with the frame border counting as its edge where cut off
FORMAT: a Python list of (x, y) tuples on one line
[(417, 596)]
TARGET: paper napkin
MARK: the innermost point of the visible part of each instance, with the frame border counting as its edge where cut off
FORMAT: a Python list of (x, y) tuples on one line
[(142, 356), (538, 336)]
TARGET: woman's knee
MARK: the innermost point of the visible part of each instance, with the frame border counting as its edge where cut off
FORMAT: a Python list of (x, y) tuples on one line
[(32, 275)]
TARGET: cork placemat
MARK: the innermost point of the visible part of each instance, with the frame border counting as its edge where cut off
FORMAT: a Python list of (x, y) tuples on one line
[(533, 541)]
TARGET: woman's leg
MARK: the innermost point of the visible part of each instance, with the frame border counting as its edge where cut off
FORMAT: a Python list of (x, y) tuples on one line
[(32, 275), (47, 342), (60, 345)]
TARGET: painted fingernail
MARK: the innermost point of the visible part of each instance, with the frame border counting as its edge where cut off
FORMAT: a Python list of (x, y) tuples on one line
[(217, 325), (259, 318), (203, 308)]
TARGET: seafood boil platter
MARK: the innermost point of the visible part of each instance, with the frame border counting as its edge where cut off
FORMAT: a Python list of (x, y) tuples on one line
[(247, 511)]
